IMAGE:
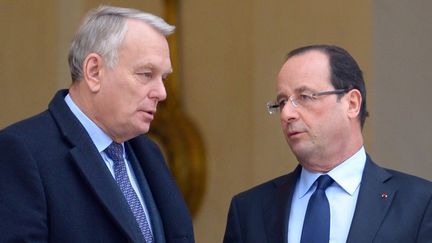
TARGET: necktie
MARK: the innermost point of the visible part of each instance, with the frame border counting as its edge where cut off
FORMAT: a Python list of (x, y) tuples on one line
[(115, 152), (316, 226)]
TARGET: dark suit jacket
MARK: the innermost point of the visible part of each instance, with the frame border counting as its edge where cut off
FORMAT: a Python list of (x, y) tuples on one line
[(55, 186), (392, 207)]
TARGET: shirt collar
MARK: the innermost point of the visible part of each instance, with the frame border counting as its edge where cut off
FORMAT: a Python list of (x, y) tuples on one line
[(347, 175), (97, 135)]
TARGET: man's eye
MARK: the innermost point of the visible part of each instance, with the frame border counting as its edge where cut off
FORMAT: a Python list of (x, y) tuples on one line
[(305, 97), (148, 75), (281, 103)]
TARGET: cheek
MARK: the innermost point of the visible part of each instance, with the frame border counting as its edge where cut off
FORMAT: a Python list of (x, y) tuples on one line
[(318, 123), (129, 94), (120, 104), (332, 125)]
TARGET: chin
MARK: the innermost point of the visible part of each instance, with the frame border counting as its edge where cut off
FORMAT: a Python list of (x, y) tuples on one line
[(145, 129), (141, 129), (300, 150)]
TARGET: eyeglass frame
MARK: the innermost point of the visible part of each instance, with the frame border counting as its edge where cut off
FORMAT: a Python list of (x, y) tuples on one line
[(274, 106)]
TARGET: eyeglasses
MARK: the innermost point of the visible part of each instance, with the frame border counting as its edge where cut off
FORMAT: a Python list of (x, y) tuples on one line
[(300, 100)]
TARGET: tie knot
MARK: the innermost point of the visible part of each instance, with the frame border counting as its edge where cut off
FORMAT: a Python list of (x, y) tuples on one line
[(115, 151), (324, 181)]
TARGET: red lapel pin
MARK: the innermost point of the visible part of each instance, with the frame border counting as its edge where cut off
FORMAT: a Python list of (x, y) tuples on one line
[(384, 195)]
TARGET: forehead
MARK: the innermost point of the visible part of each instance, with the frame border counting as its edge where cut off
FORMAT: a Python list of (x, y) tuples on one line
[(143, 44), (309, 70), (141, 31)]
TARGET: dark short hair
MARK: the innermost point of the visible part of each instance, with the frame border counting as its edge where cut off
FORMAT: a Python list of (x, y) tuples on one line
[(344, 71)]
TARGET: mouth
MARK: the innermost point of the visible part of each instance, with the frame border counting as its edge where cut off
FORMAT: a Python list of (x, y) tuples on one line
[(294, 134), (149, 114)]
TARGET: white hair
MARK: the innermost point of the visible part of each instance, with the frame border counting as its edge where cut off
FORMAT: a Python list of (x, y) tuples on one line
[(102, 32)]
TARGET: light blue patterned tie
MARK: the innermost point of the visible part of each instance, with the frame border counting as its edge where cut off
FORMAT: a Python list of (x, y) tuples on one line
[(115, 152), (316, 226)]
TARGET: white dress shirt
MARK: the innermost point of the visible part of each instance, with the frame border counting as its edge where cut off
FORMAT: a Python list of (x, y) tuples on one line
[(102, 141), (342, 196)]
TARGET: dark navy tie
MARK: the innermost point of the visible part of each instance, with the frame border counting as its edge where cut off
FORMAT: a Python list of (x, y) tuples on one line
[(115, 152), (316, 226)]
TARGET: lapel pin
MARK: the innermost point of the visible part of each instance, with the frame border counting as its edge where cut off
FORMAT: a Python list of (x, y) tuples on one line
[(384, 195)]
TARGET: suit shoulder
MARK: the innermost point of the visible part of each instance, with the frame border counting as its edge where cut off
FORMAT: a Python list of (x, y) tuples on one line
[(409, 182), (262, 189), (404, 182), (35, 124)]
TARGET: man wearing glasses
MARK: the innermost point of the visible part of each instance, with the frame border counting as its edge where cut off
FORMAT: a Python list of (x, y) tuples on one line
[(337, 193)]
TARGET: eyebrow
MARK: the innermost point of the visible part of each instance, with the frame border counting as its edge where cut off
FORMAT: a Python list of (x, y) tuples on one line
[(297, 90), (151, 66), (147, 65), (280, 96), (303, 88)]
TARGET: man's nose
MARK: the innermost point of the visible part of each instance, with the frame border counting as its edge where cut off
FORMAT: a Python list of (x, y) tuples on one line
[(289, 112), (158, 91)]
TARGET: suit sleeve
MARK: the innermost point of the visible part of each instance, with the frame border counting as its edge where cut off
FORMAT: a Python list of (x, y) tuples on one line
[(425, 231), (232, 231), (23, 211)]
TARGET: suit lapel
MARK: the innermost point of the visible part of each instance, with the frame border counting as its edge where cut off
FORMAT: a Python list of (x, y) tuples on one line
[(92, 167), (374, 200), (172, 208), (277, 208), (156, 222)]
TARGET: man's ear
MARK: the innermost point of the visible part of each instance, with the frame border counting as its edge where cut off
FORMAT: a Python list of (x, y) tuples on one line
[(354, 103), (92, 66)]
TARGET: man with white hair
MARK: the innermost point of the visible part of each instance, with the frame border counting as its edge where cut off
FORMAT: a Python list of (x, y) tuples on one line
[(83, 170)]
